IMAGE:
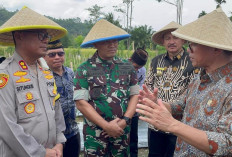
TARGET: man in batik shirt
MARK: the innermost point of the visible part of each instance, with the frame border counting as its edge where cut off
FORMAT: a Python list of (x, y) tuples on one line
[(206, 105), (106, 93), (170, 73)]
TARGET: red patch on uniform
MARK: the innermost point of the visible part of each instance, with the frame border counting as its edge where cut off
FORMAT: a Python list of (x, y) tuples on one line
[(23, 65), (213, 146)]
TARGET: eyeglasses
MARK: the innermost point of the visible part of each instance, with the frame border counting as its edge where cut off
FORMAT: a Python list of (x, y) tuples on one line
[(41, 35), (53, 54), (190, 47)]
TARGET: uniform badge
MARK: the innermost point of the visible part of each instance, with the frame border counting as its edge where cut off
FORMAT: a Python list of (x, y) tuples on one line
[(29, 108), (46, 72), (159, 71), (49, 77), (29, 96), (21, 74), (23, 65), (3, 80)]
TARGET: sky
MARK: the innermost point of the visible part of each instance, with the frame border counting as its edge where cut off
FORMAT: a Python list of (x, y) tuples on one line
[(145, 12)]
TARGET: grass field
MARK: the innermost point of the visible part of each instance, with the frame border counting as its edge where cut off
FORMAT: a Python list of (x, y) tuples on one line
[(75, 56)]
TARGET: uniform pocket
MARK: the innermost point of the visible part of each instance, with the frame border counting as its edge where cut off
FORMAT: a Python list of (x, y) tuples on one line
[(28, 104)]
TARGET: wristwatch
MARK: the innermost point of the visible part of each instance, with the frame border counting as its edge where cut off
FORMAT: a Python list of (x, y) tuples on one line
[(127, 119)]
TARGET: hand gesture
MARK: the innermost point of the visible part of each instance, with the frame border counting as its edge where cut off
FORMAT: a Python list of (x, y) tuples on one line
[(146, 93), (156, 114)]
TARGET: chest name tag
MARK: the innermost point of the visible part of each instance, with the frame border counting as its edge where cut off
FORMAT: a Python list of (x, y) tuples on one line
[(95, 72)]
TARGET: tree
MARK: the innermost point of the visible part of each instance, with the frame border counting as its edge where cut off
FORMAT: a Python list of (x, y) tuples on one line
[(78, 40), (95, 13), (141, 36), (202, 14), (110, 17), (179, 6), (219, 2)]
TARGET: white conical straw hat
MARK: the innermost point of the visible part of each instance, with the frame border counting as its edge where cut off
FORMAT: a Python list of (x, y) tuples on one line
[(213, 30), (157, 37), (28, 19), (103, 31)]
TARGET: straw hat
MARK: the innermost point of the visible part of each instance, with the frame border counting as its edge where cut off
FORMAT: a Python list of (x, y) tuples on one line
[(157, 37), (213, 30), (103, 31), (28, 19)]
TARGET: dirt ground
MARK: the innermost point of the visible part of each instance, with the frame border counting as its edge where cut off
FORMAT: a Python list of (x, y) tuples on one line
[(143, 152)]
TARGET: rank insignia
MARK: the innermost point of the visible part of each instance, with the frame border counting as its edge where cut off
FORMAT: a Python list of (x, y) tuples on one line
[(3, 80), (29, 108), (22, 79), (29, 96), (21, 74), (23, 65), (49, 77), (46, 72)]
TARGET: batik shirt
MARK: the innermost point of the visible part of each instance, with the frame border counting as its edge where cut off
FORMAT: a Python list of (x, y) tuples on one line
[(106, 85), (65, 89), (207, 106), (171, 77)]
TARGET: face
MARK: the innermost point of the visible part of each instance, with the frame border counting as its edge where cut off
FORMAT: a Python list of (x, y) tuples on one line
[(200, 55), (136, 66), (172, 44), (33, 42), (107, 49), (55, 58)]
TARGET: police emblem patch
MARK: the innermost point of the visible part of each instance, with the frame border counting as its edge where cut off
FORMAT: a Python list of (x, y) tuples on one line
[(29, 108), (3, 80)]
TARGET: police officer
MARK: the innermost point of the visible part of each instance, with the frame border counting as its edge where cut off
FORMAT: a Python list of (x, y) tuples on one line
[(31, 118), (106, 93)]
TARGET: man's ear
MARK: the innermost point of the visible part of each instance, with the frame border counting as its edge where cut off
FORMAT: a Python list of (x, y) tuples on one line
[(18, 35)]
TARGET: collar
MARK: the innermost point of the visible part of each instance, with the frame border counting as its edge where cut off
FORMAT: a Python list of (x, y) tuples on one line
[(178, 56), (217, 74)]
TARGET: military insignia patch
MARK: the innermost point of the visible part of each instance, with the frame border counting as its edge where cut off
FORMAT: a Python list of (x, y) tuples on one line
[(29, 96), (23, 65), (3, 80), (29, 108)]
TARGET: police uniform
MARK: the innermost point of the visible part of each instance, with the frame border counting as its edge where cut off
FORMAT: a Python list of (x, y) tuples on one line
[(107, 86), (30, 113)]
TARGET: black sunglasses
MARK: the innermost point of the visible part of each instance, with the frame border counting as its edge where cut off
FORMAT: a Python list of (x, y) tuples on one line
[(41, 35), (53, 54)]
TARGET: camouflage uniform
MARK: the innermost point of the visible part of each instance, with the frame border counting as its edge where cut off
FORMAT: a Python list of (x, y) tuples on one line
[(107, 86)]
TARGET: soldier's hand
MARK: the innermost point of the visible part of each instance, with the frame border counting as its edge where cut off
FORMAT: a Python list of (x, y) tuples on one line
[(50, 153), (146, 93), (122, 123), (113, 129)]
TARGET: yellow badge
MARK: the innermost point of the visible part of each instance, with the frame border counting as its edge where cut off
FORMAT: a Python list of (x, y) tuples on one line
[(23, 65), (49, 77), (22, 79), (196, 71), (29, 96), (46, 72), (3, 80), (178, 57), (29, 108), (21, 74)]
